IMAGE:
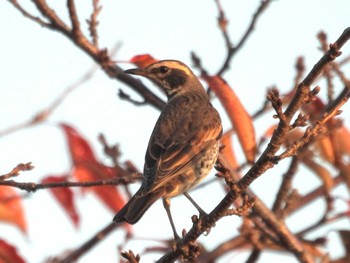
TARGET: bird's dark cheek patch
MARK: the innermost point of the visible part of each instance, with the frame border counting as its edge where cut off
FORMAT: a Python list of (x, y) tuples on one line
[(176, 78)]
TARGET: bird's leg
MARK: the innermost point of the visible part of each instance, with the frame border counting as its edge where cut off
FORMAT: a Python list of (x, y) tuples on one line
[(166, 204), (202, 223), (202, 213)]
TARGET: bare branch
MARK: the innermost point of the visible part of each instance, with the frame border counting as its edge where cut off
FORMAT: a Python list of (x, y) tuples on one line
[(28, 15), (55, 22), (77, 253), (74, 19), (93, 22), (127, 97), (44, 114), (100, 56), (32, 187), (232, 50), (22, 167)]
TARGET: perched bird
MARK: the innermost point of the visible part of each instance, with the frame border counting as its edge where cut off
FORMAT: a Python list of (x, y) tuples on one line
[(184, 144)]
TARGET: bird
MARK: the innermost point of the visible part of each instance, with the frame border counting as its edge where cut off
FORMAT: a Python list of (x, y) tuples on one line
[(184, 144)]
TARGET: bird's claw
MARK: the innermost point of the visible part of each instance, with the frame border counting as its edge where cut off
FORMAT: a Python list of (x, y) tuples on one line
[(203, 223)]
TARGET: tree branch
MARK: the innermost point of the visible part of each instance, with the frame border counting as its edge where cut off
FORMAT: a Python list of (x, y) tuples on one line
[(100, 56), (264, 163), (32, 187), (231, 49)]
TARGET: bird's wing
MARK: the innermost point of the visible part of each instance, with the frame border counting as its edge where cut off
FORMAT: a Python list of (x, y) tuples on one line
[(172, 153)]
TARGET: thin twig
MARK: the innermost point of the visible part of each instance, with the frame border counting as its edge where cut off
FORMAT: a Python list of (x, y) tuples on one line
[(98, 237), (322, 37), (44, 114), (317, 129), (32, 187), (93, 22), (21, 167), (28, 15), (100, 56), (232, 50), (285, 188)]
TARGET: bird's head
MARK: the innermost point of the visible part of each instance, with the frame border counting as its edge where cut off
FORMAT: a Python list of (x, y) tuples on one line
[(173, 76)]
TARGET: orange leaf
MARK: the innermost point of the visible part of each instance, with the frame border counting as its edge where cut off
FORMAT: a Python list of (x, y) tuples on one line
[(11, 208), (240, 119), (321, 172), (267, 134), (80, 149), (82, 174), (341, 140), (143, 60), (108, 194), (64, 196), (293, 136), (325, 146), (227, 152), (87, 168), (8, 253), (314, 109)]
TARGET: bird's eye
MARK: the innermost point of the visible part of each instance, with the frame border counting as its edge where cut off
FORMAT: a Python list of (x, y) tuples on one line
[(163, 69)]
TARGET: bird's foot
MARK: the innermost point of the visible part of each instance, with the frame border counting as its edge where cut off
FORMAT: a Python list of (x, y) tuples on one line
[(176, 242), (203, 223)]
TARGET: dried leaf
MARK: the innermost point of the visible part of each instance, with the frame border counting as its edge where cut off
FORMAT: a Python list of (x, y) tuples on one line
[(321, 172), (79, 148), (240, 119), (267, 134), (86, 168), (314, 109), (324, 146), (345, 173), (341, 141), (64, 196), (143, 60), (227, 152), (11, 208), (108, 194), (293, 136), (8, 253)]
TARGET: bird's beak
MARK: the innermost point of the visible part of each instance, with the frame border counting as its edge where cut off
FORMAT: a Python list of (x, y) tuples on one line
[(136, 71)]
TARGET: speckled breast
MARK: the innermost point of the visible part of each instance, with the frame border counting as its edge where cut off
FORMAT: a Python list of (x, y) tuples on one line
[(187, 180)]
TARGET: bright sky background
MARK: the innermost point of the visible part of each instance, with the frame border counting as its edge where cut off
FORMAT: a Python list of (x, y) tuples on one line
[(36, 65)]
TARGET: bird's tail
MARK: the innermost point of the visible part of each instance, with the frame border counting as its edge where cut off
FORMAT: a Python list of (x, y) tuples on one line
[(135, 208)]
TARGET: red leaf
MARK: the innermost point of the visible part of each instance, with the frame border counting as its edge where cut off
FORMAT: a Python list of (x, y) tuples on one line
[(325, 147), (80, 149), (314, 109), (64, 196), (108, 194), (87, 169), (240, 119), (8, 253), (143, 60), (11, 208), (227, 154)]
